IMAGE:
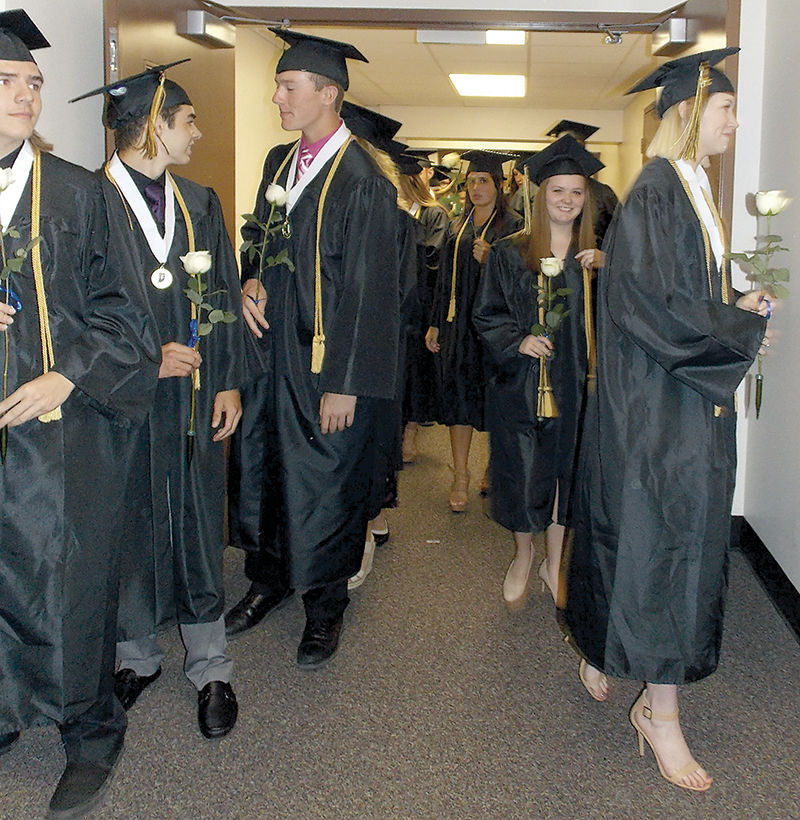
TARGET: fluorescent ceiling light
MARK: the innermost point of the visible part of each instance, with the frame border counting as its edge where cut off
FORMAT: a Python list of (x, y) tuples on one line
[(496, 37), (489, 85)]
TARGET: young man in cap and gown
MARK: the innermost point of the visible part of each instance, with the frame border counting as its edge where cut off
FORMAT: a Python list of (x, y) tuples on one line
[(162, 228), (79, 362), (329, 331)]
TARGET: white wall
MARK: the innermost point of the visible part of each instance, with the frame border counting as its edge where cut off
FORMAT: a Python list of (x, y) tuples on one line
[(773, 442), (72, 66)]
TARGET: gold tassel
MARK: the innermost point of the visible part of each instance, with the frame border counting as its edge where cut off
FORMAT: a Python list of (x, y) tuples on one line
[(690, 136), (526, 204), (546, 402), (149, 145), (317, 352)]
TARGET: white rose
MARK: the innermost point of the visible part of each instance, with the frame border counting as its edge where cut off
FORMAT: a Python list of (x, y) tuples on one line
[(551, 265), (451, 160), (197, 262), (276, 195), (769, 203), (6, 178)]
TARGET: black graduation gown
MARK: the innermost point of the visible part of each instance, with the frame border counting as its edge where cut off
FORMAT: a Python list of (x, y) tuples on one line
[(420, 400), (459, 362), (301, 497), (529, 458), (389, 412), (648, 572), (172, 561), (61, 488), (605, 204)]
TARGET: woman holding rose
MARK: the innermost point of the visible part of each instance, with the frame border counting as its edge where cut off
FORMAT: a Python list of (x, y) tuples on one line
[(528, 279), (649, 559)]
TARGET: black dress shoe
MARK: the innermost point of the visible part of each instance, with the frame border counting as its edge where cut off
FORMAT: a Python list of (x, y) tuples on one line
[(81, 788), (7, 741), (128, 685), (319, 643), (251, 610), (217, 709)]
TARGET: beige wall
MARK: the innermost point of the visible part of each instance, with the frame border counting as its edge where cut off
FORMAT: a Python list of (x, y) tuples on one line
[(258, 126), (773, 446)]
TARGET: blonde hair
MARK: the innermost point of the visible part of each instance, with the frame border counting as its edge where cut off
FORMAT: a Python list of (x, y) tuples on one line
[(384, 162), (414, 190), (540, 239)]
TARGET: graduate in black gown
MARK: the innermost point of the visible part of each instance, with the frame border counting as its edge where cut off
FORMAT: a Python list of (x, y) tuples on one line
[(79, 358), (420, 399), (162, 227), (532, 457), (451, 335), (648, 572), (329, 335), (603, 196)]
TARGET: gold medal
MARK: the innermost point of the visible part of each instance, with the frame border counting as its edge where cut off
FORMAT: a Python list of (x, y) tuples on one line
[(286, 228), (161, 278)]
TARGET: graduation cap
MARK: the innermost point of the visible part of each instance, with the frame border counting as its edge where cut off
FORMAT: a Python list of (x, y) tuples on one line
[(579, 130), (489, 162), (687, 77), (441, 173), (19, 36), (318, 55), (407, 164), (421, 155), (522, 158), (564, 156), (372, 126)]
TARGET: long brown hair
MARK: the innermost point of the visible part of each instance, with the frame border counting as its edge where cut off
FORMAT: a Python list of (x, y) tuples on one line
[(500, 204), (540, 239), (414, 190)]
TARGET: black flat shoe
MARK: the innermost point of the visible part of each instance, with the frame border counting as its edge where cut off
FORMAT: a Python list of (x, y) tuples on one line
[(381, 536), (128, 685), (319, 643), (217, 709), (82, 787), (7, 741), (251, 610)]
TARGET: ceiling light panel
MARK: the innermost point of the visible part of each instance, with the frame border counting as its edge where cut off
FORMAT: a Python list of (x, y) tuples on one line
[(489, 85)]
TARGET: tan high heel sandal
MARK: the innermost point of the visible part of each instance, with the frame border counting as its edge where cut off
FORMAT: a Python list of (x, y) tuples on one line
[(587, 685), (642, 707), (458, 492)]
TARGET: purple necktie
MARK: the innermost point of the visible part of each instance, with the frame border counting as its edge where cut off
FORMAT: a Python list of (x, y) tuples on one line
[(154, 192)]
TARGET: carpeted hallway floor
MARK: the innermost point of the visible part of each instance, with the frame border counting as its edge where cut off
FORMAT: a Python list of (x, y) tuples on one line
[(443, 703)]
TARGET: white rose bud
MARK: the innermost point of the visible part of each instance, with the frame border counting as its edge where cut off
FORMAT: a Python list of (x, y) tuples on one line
[(551, 265), (451, 160), (276, 195), (197, 262), (6, 178), (769, 203)]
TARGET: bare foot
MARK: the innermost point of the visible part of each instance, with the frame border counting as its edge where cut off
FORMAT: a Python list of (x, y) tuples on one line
[(594, 681), (672, 751)]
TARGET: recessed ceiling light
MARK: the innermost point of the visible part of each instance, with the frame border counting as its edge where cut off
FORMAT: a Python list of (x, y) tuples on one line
[(489, 85), (495, 37)]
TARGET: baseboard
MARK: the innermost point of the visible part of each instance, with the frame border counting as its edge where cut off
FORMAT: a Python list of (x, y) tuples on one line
[(778, 587)]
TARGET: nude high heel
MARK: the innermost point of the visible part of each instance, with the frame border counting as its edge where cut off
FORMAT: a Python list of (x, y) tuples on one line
[(458, 492), (514, 591), (586, 683), (642, 709)]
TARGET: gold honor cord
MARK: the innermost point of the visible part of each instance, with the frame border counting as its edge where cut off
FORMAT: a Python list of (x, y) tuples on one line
[(451, 308), (48, 359), (546, 407), (113, 181), (725, 289), (588, 325), (318, 342)]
